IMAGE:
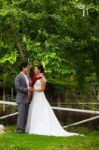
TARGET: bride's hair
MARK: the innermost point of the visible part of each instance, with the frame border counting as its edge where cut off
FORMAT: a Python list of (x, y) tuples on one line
[(40, 67)]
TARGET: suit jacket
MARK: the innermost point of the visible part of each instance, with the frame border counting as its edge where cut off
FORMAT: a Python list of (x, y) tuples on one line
[(21, 89)]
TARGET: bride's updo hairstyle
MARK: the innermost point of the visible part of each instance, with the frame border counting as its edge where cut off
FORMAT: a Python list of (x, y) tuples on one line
[(40, 67)]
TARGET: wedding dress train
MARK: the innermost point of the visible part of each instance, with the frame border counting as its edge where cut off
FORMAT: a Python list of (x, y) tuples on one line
[(41, 118)]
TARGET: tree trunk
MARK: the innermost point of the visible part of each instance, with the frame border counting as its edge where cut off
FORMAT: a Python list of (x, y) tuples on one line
[(4, 98), (18, 44), (12, 93), (98, 95)]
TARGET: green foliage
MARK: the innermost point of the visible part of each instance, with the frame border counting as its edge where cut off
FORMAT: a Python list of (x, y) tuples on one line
[(62, 35)]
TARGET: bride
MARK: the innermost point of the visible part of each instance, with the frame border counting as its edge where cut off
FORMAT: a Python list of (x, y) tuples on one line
[(41, 118)]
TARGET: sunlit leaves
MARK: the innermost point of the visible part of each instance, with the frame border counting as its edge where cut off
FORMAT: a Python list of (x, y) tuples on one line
[(10, 57)]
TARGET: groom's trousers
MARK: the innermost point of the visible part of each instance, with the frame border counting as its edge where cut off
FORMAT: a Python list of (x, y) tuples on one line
[(22, 116)]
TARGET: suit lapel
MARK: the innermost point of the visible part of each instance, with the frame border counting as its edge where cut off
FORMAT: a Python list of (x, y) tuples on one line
[(23, 78)]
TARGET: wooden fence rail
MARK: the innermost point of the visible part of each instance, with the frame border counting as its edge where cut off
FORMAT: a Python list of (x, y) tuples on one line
[(57, 108)]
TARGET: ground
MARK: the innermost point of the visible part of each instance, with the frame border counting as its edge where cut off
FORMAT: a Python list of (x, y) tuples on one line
[(10, 140)]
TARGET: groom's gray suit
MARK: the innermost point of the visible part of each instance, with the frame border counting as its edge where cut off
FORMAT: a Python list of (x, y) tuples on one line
[(22, 101)]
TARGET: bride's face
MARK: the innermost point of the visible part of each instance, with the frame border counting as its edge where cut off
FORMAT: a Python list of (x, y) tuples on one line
[(36, 71)]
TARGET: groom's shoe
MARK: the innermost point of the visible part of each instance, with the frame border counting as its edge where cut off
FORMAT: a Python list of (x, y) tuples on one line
[(20, 131)]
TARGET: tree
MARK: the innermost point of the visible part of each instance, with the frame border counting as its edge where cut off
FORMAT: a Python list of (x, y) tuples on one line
[(62, 35)]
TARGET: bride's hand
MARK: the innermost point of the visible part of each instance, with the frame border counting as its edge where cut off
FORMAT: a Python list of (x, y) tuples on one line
[(40, 76)]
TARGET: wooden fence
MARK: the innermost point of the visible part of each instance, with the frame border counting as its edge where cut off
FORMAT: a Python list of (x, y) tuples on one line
[(57, 108)]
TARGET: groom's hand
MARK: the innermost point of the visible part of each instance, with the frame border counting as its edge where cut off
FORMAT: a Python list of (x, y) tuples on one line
[(30, 89)]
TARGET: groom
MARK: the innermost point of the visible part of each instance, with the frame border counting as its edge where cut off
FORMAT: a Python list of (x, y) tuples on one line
[(22, 89)]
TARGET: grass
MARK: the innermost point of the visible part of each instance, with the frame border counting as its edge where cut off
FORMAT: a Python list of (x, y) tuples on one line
[(13, 141)]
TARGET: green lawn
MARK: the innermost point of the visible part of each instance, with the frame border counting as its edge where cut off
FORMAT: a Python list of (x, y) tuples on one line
[(13, 141)]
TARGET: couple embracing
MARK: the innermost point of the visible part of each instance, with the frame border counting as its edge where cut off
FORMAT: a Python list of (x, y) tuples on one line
[(35, 115)]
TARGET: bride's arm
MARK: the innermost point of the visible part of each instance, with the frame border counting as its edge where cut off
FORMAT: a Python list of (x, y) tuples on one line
[(42, 88)]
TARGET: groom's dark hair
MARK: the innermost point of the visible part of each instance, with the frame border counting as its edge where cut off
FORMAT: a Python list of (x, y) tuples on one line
[(23, 65)]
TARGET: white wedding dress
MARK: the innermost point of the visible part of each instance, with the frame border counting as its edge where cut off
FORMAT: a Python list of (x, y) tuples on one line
[(41, 118)]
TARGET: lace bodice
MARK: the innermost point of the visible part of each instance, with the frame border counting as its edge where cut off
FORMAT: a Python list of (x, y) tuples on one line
[(37, 84)]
